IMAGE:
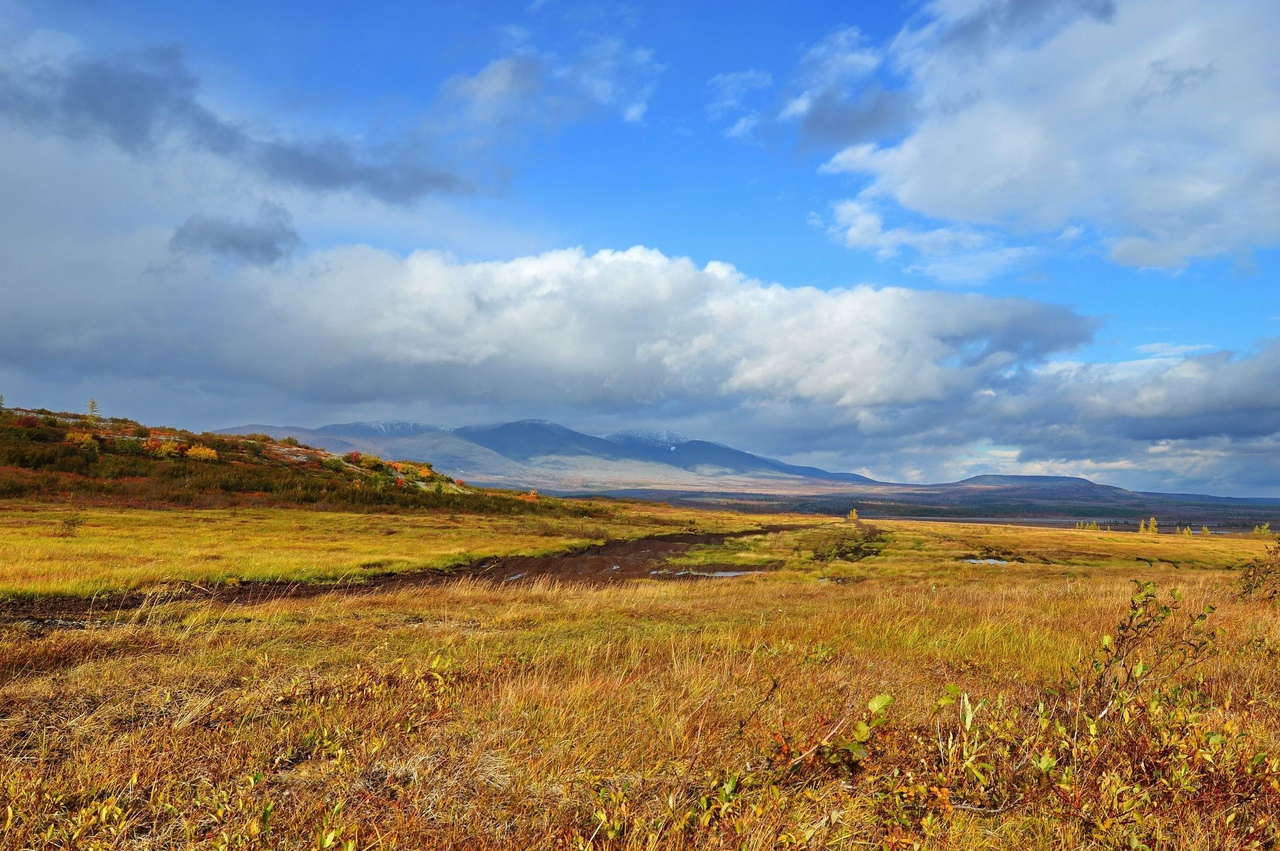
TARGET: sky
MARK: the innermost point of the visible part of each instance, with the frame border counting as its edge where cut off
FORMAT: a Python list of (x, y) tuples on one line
[(919, 241)]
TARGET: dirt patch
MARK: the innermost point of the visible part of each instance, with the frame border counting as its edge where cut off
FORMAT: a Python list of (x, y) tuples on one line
[(614, 561), (598, 564)]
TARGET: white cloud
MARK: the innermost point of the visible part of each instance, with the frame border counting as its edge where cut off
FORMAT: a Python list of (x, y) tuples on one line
[(1170, 350), (741, 129), (731, 89), (120, 298), (617, 328), (537, 88), (1156, 123), (840, 59), (732, 94), (957, 254), (863, 228)]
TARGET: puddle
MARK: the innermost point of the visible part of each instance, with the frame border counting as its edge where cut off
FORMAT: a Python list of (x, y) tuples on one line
[(716, 574), (986, 561)]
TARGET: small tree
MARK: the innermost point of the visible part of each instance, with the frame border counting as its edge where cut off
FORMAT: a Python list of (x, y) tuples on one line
[(1204, 530), (1, 401), (853, 514), (1153, 527), (95, 413), (1142, 527)]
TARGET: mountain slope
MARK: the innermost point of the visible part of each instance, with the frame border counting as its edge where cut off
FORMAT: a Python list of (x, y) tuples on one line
[(528, 439)]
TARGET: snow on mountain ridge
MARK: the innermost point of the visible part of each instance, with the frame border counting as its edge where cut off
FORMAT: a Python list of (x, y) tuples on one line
[(652, 438), (387, 428)]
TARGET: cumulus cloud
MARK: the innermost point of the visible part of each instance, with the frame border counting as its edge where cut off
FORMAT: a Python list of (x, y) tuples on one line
[(142, 101), (610, 331), (614, 329), (1155, 123)]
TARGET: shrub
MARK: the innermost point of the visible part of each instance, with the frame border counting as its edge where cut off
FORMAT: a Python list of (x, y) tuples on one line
[(163, 448), (128, 446), (1261, 577), (83, 441), (202, 453), (852, 542), (1127, 751), (69, 526)]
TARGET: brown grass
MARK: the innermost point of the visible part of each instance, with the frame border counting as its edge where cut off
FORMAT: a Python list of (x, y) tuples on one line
[(559, 716)]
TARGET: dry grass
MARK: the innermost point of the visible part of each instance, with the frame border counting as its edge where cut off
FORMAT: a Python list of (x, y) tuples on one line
[(94, 550), (554, 716)]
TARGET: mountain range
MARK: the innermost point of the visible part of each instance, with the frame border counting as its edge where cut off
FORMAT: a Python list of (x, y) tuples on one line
[(552, 457), (670, 466)]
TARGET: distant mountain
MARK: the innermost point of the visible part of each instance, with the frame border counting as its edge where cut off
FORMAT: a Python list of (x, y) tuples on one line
[(542, 454), (529, 439), (393, 428), (671, 466)]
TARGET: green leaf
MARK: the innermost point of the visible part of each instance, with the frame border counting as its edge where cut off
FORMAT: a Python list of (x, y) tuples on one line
[(853, 751), (879, 703)]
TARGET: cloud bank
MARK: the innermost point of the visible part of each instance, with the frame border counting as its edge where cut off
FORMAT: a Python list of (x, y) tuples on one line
[(1153, 126)]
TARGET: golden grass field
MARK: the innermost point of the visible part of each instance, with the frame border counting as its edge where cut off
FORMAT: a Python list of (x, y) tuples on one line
[(114, 550), (722, 713)]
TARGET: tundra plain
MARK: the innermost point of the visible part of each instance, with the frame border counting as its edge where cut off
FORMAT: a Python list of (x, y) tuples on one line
[(285, 678)]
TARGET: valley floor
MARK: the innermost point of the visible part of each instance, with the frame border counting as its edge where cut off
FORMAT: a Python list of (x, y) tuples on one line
[(560, 710)]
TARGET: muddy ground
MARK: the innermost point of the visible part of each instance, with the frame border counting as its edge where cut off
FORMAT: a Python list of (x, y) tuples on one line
[(598, 564)]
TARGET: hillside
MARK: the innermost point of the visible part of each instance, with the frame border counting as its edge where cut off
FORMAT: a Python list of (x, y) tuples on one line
[(63, 456)]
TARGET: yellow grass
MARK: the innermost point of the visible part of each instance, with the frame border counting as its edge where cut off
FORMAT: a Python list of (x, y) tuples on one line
[(472, 715), (112, 550)]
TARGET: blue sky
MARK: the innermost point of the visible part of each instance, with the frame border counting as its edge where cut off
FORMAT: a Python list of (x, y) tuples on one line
[(921, 241)]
